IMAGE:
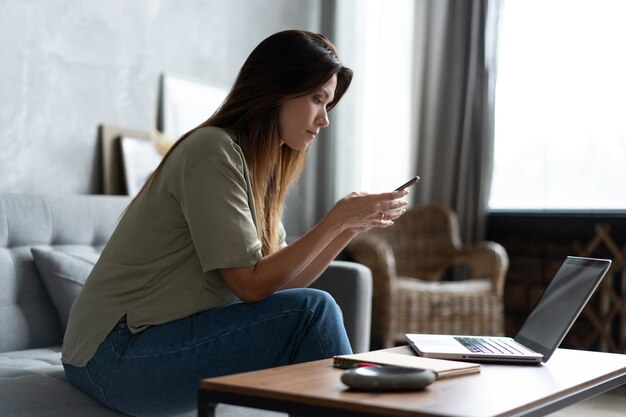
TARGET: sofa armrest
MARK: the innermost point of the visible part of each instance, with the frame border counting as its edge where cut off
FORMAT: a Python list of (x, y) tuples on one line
[(350, 284)]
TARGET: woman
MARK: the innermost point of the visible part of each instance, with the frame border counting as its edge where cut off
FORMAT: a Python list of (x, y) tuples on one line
[(196, 280)]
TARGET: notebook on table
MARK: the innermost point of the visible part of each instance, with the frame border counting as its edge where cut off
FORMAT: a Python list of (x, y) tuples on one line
[(544, 329), (441, 368)]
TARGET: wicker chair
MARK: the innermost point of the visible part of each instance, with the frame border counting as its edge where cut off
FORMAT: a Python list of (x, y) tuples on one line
[(409, 262)]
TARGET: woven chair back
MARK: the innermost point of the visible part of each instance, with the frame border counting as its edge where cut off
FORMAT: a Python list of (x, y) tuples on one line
[(423, 241)]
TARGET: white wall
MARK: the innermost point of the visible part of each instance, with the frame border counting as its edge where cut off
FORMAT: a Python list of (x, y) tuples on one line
[(67, 66)]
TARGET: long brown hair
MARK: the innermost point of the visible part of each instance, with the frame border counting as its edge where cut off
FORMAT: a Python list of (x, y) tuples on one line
[(287, 64)]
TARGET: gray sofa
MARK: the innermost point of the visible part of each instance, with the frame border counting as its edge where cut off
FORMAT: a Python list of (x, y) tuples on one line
[(35, 295)]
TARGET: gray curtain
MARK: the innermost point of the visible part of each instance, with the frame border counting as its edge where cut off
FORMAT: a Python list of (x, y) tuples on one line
[(456, 109), (313, 195)]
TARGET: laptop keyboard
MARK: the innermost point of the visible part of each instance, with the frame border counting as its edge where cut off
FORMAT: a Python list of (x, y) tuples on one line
[(487, 345)]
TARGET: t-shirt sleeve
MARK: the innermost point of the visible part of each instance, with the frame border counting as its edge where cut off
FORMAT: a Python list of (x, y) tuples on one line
[(217, 207), (282, 236)]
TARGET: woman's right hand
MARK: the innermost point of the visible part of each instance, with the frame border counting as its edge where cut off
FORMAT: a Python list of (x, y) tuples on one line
[(360, 212)]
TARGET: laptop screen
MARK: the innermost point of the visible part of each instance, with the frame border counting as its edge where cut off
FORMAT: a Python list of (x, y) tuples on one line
[(561, 303)]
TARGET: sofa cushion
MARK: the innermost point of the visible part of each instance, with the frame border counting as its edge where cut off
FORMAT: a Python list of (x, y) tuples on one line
[(32, 383), (64, 273), (29, 317)]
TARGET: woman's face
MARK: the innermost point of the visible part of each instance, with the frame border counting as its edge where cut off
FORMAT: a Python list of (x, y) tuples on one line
[(300, 119)]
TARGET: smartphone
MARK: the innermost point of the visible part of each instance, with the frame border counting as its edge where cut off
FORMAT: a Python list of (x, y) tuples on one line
[(409, 183)]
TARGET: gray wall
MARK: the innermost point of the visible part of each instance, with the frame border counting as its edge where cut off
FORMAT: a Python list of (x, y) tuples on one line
[(67, 66)]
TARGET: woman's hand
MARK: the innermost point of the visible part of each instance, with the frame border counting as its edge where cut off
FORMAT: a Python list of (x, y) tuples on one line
[(360, 212)]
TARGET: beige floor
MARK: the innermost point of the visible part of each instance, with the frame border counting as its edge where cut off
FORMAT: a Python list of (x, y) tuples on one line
[(609, 404)]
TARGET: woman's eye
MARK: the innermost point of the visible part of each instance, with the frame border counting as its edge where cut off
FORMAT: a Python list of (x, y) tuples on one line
[(317, 100)]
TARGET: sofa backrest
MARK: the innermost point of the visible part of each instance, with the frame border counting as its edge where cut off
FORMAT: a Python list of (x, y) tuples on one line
[(27, 317)]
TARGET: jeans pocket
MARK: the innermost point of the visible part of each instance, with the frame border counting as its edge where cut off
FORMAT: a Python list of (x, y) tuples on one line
[(79, 377)]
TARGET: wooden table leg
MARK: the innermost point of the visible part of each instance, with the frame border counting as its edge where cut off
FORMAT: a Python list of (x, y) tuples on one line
[(206, 408)]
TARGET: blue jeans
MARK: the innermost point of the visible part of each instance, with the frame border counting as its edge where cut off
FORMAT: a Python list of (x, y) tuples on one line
[(157, 372)]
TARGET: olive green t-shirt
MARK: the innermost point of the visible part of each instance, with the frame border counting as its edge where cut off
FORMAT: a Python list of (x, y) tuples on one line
[(161, 261)]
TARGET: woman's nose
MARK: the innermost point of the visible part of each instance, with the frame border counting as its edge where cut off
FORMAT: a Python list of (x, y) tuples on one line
[(322, 119)]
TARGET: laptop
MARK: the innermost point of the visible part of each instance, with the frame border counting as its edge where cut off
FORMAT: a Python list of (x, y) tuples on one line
[(544, 328)]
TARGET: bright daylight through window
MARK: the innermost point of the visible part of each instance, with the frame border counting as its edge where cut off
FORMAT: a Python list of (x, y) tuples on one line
[(560, 134), (375, 144)]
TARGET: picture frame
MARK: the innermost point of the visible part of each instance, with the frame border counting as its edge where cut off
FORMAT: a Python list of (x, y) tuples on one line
[(113, 172), (140, 159), (185, 102)]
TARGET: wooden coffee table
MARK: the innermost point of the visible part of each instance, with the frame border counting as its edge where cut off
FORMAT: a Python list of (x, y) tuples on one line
[(314, 389)]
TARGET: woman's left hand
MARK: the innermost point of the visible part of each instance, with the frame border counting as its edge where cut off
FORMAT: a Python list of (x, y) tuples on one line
[(359, 212)]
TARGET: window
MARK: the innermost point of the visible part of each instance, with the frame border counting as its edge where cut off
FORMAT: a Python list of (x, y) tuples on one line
[(375, 38), (560, 132)]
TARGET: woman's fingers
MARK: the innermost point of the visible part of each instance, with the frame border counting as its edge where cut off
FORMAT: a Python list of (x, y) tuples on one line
[(390, 195), (391, 204), (393, 214), (363, 211), (389, 207)]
